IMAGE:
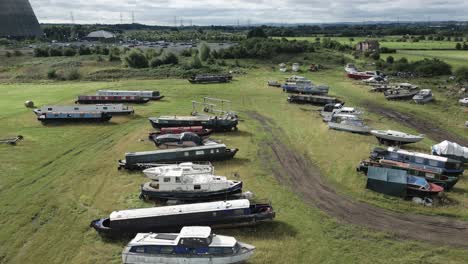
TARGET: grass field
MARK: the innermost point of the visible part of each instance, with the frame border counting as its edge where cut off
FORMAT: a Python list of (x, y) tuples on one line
[(456, 58), (62, 176), (390, 42)]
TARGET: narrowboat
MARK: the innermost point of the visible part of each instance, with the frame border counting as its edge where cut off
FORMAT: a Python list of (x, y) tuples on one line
[(211, 152), (210, 78), (50, 117), (152, 95), (183, 140), (451, 150), (216, 123), (431, 174), (449, 167), (102, 99), (194, 244), (185, 168), (112, 109), (220, 214), (199, 130), (312, 99), (177, 185)]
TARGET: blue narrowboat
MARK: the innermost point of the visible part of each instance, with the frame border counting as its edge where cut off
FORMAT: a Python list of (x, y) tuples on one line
[(74, 117), (450, 167)]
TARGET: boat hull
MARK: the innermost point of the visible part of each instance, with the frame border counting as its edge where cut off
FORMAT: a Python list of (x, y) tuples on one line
[(423, 100), (394, 140), (357, 76), (150, 193), (401, 96), (347, 128)]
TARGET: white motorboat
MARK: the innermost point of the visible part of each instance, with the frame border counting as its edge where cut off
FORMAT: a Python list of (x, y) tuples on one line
[(391, 137), (194, 244), (424, 96), (348, 123), (334, 109), (463, 101), (186, 168)]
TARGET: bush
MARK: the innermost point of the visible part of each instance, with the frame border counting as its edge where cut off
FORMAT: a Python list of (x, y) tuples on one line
[(196, 63), (156, 62), (256, 33), (51, 74), (390, 60), (41, 52), (434, 67), (204, 52), (171, 58), (387, 50), (151, 53), (186, 53), (69, 52), (135, 59), (113, 57), (73, 74), (375, 56), (55, 51), (458, 46), (84, 50), (462, 74)]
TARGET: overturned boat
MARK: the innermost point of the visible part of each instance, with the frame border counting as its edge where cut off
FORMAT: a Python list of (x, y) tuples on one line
[(194, 244), (52, 117), (348, 123), (145, 159), (312, 99), (395, 138), (216, 123), (424, 96), (449, 166), (431, 174), (152, 95), (178, 185), (220, 214), (185, 168), (112, 109), (102, 99), (451, 150)]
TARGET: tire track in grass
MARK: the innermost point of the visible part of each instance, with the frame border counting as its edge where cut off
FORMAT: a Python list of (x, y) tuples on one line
[(306, 179)]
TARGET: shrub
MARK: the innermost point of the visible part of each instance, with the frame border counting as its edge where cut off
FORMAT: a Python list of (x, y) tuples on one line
[(256, 33), (387, 50), (151, 53), (204, 52), (135, 59), (390, 60), (432, 67), (186, 53), (73, 74), (462, 74), (51, 74), (55, 51), (458, 46), (41, 52), (84, 50), (69, 52), (196, 63), (171, 58), (375, 56), (113, 57), (155, 62)]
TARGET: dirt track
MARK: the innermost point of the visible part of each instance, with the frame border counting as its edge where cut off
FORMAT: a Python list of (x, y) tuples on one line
[(431, 130), (306, 179)]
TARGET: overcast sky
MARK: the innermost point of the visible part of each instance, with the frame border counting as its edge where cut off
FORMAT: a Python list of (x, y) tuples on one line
[(208, 12)]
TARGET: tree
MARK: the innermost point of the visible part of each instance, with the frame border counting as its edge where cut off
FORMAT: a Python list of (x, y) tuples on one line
[(257, 33), (171, 58), (462, 74), (458, 46), (390, 60), (135, 59), (196, 63), (204, 52)]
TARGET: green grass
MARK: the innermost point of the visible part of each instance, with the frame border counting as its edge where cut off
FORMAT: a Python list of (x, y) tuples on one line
[(456, 58), (390, 42), (61, 177)]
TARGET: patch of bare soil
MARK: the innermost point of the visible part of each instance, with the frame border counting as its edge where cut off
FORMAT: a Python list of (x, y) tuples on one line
[(306, 180), (430, 129)]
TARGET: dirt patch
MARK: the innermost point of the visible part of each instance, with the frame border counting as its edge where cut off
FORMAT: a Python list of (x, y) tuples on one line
[(307, 181), (430, 129)]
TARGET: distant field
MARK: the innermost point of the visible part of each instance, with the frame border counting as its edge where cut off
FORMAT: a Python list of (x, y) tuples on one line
[(453, 57), (390, 42)]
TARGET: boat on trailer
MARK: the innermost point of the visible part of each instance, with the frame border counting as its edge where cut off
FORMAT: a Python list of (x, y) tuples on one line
[(152, 95), (52, 117), (216, 123), (395, 138), (348, 123), (145, 159), (424, 96), (449, 166), (431, 174), (112, 109), (180, 186), (220, 214), (312, 99), (185, 168), (194, 244), (103, 99)]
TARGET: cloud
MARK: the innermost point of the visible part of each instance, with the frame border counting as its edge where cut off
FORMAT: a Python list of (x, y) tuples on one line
[(208, 12)]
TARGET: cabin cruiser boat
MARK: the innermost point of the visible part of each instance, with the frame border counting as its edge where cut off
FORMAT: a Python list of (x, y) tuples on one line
[(451, 150), (376, 80), (400, 94), (420, 187), (391, 137), (274, 84), (194, 244), (220, 214), (353, 73), (299, 84), (348, 123), (186, 168), (349, 68), (463, 101), (177, 185), (152, 95), (333, 109), (424, 96)]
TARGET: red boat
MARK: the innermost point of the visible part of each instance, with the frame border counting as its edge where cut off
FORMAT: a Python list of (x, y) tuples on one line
[(419, 187), (353, 73), (200, 131)]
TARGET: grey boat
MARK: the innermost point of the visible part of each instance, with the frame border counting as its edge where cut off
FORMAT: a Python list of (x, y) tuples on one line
[(348, 123), (312, 99), (112, 109), (424, 96)]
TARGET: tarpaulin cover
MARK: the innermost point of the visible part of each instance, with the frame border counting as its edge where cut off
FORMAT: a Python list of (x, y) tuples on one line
[(450, 149), (387, 181)]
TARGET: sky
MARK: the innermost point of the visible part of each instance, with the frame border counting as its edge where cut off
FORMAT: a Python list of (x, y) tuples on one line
[(243, 12)]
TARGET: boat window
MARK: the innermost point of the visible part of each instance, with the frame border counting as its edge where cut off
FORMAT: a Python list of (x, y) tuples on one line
[(49, 109), (394, 155), (105, 108), (69, 115), (177, 179), (211, 151), (197, 187), (200, 152), (167, 250), (433, 163), (239, 212), (419, 160), (76, 108), (152, 249), (186, 154), (167, 179), (140, 249)]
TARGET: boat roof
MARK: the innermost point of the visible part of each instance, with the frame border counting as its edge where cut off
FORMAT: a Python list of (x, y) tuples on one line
[(195, 232), (126, 91), (394, 133), (198, 117), (209, 146), (179, 209), (422, 155)]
